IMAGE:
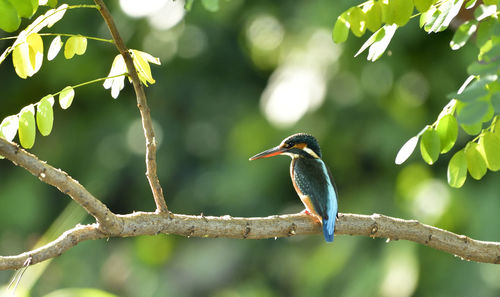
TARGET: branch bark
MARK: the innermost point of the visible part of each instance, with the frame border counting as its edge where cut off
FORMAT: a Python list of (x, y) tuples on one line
[(376, 225), (142, 104)]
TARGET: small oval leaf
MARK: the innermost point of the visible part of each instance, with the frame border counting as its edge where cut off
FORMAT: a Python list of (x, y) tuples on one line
[(27, 129), (463, 33), (373, 15), (430, 146), (357, 21), (475, 161), (489, 144), (54, 48), (457, 170), (9, 126), (45, 115), (9, 19), (406, 150), (341, 28), (447, 129), (66, 97)]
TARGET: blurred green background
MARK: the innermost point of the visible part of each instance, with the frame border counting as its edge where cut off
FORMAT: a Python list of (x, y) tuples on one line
[(233, 83)]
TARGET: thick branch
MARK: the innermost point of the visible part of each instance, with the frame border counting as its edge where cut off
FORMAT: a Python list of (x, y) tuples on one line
[(268, 227), (108, 221), (142, 104)]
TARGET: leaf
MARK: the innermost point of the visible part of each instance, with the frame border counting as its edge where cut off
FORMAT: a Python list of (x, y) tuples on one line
[(373, 15), (472, 129), (378, 48), (66, 97), (428, 17), (463, 33), (489, 145), (357, 21), (495, 101), (484, 11), (457, 170), (484, 31), (141, 64), (447, 129), (396, 11), (55, 15), (475, 161), (79, 292), (27, 130), (211, 5), (45, 115), (27, 56), (473, 91), (483, 69), (423, 5), (24, 7), (470, 4), (406, 150), (9, 19), (54, 48), (341, 28), (443, 16), (75, 45), (430, 146), (9, 126), (116, 83), (472, 112)]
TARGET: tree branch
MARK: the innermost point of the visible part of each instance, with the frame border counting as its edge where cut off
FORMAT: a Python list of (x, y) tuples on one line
[(107, 220), (142, 223), (142, 104)]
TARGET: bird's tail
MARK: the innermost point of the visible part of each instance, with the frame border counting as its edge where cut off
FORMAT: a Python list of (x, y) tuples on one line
[(328, 228)]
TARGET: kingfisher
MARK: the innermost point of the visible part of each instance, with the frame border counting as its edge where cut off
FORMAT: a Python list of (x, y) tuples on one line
[(311, 178)]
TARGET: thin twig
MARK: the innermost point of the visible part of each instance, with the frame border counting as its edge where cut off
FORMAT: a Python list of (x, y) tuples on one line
[(142, 104), (108, 221), (375, 225)]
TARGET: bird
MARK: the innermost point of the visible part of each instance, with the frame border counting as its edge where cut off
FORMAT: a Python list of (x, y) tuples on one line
[(311, 178)]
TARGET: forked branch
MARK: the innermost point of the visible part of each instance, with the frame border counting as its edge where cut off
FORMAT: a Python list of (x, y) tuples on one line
[(142, 104)]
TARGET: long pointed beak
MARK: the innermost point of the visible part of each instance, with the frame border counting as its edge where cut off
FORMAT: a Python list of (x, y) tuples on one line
[(269, 153)]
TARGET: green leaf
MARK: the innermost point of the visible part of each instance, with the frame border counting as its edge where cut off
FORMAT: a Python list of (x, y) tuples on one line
[(357, 21), (373, 15), (495, 101), (27, 129), (489, 145), (406, 150), (473, 129), (341, 28), (9, 19), (484, 31), (484, 11), (211, 5), (463, 33), (472, 112), (423, 5), (473, 91), (470, 4), (396, 11), (66, 97), (475, 161), (75, 45), (9, 126), (447, 129), (442, 18), (428, 18), (457, 170), (45, 115), (24, 7), (430, 146), (483, 69)]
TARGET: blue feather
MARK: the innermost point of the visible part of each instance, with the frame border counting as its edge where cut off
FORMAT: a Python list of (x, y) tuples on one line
[(331, 208)]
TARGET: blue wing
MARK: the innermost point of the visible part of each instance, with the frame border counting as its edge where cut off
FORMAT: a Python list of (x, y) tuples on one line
[(314, 180)]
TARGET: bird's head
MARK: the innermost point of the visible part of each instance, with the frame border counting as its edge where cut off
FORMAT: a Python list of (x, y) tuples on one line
[(299, 145)]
